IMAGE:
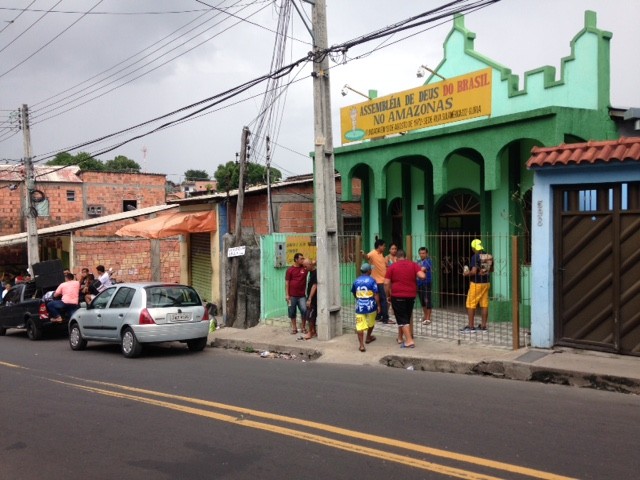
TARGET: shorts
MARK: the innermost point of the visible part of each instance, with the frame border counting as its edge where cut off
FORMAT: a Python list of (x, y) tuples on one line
[(311, 314), (301, 303), (424, 295), (364, 321), (403, 309), (478, 294)]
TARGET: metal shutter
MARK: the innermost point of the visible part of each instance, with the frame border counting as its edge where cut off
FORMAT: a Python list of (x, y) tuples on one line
[(200, 264)]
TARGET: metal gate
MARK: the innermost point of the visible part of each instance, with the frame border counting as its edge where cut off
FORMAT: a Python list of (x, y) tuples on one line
[(597, 274), (200, 264)]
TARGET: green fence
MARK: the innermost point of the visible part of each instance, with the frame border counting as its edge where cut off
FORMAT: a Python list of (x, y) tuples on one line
[(449, 254)]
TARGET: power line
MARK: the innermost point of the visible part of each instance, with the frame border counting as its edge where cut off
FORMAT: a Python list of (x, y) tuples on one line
[(28, 28)]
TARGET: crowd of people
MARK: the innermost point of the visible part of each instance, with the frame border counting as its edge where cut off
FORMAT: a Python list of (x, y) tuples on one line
[(67, 297), (388, 283)]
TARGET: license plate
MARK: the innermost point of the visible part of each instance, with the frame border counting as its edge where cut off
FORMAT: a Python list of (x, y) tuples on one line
[(179, 317)]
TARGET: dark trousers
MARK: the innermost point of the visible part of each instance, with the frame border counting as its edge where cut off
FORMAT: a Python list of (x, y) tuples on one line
[(384, 304), (58, 307)]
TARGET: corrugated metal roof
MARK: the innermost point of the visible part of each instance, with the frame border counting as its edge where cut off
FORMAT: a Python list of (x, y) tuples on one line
[(91, 222), (15, 173), (234, 193), (622, 150)]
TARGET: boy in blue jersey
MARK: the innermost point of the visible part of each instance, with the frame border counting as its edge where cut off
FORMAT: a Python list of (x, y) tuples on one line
[(365, 291)]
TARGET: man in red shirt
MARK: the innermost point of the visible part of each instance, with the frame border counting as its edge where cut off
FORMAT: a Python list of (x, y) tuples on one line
[(400, 285), (69, 291), (295, 285)]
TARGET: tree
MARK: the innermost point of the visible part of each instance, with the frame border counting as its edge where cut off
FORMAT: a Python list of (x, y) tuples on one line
[(81, 159), (192, 175), (228, 175), (122, 164)]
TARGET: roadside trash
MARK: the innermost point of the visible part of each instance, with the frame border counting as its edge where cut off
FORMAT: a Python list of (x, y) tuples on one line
[(286, 356), (410, 367)]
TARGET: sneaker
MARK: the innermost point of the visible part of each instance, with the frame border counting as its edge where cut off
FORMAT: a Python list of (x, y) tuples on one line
[(481, 328), (467, 329)]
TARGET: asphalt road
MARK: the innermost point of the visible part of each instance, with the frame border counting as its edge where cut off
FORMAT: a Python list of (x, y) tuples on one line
[(173, 414)]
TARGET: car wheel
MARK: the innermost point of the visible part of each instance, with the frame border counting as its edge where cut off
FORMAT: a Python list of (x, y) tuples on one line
[(75, 338), (131, 348), (34, 332), (3, 331), (197, 345)]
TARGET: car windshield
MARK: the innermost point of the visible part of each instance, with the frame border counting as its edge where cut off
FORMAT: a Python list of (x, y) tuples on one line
[(172, 296)]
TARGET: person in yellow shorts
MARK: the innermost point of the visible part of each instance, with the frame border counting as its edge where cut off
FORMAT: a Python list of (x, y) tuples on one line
[(478, 272), (365, 291)]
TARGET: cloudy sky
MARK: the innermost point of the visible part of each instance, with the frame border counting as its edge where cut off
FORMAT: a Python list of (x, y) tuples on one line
[(87, 76)]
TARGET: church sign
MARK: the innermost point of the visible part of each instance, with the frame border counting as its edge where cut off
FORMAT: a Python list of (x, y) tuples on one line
[(452, 100)]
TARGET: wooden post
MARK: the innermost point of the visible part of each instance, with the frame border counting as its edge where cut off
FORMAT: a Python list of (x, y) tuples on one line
[(232, 299), (358, 248), (515, 292), (408, 247)]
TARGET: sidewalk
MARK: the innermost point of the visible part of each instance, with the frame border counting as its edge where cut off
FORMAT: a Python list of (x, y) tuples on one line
[(564, 366)]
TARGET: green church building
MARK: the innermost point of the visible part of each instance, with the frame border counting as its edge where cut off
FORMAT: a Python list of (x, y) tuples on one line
[(446, 162)]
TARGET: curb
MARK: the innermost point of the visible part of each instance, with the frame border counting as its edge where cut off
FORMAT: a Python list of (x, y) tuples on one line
[(250, 347), (508, 370), (511, 370)]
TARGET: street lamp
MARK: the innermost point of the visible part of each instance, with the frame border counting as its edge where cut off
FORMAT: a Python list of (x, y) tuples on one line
[(421, 70), (347, 87)]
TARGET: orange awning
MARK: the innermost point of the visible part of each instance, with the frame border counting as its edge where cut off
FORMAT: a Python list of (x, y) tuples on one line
[(171, 224)]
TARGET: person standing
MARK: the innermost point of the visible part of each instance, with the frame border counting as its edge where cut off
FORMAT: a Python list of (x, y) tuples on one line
[(69, 291), (480, 267), (400, 285), (312, 299), (295, 283), (378, 263), (391, 258), (424, 285), (365, 291)]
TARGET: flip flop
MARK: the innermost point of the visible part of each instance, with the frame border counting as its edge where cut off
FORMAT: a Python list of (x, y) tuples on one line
[(362, 349), (370, 339), (404, 345), (426, 322), (294, 332)]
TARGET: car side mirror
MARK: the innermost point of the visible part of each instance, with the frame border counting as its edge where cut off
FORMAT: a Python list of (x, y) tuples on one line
[(83, 305)]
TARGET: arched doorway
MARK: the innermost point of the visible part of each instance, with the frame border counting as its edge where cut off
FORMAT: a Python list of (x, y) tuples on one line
[(395, 210), (459, 221)]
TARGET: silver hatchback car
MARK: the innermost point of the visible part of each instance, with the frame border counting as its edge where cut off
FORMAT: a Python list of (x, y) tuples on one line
[(134, 314)]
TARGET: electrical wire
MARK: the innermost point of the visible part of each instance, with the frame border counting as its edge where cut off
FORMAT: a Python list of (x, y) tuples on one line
[(40, 113), (22, 10), (29, 27), (231, 93), (49, 42)]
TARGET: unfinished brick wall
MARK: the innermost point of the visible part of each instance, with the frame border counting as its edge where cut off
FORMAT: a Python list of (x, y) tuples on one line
[(293, 208), (129, 258), (108, 190)]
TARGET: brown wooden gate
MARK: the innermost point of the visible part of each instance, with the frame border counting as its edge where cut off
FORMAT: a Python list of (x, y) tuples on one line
[(597, 274)]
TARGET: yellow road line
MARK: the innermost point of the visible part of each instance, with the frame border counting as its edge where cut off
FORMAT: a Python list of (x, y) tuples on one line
[(6, 364), (352, 433), (310, 437)]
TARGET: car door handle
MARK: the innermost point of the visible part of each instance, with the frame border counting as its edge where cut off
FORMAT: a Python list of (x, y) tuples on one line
[(99, 316), (121, 315)]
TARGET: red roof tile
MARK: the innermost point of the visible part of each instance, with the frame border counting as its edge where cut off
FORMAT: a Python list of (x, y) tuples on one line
[(621, 150)]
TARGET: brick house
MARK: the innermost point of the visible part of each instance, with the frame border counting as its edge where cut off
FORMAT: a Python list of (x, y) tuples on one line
[(71, 195)]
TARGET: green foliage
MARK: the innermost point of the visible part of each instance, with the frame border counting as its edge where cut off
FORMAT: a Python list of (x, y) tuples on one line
[(122, 164), (228, 175), (192, 175), (81, 159)]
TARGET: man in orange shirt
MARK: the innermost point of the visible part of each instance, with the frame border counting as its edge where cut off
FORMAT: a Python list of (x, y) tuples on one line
[(376, 258), (69, 291)]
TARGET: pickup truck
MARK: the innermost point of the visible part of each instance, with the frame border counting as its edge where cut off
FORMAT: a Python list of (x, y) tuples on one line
[(22, 307)]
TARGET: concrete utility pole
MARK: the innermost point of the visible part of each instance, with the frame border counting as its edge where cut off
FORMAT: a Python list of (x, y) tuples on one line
[(232, 301), (329, 301), (30, 214)]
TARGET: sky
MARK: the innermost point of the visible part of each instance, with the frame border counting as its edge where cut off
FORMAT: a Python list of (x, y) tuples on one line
[(86, 76)]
